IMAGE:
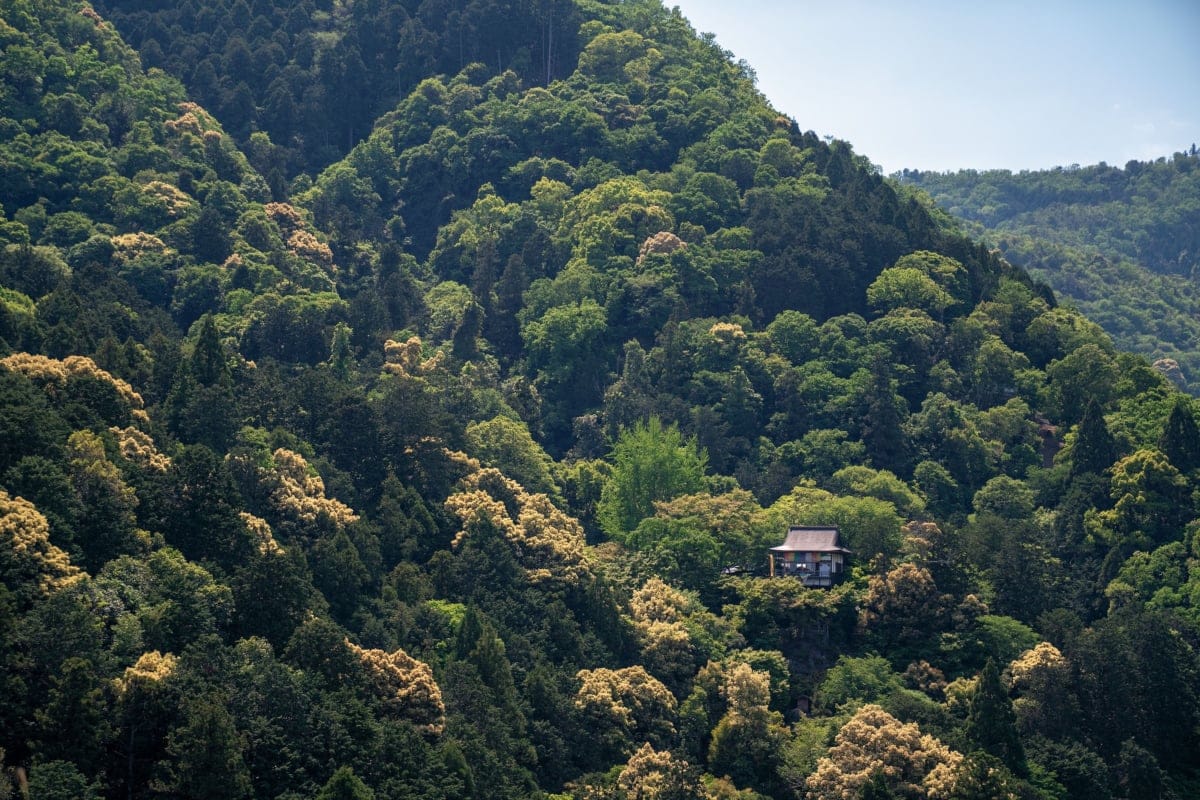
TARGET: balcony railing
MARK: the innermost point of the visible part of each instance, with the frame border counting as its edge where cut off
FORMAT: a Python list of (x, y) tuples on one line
[(813, 573)]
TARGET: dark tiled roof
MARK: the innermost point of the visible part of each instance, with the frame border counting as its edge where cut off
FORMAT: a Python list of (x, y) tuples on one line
[(811, 540)]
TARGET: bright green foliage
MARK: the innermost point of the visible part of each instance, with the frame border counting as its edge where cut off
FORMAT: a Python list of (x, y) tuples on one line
[(504, 443), (1004, 497), (650, 463), (854, 681), (869, 527), (906, 287), (1150, 501)]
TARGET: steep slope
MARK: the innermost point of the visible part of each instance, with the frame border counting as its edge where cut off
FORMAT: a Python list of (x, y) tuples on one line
[(310, 78), (454, 477), (1122, 244)]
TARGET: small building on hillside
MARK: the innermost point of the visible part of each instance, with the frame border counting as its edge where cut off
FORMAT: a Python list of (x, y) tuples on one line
[(813, 554)]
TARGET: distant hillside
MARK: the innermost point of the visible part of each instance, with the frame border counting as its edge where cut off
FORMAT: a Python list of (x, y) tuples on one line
[(1121, 244)]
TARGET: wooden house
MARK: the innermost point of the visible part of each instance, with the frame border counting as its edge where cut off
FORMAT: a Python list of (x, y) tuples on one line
[(813, 554)]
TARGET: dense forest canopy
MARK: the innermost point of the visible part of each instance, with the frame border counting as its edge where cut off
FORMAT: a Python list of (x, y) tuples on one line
[(400, 400), (1123, 245)]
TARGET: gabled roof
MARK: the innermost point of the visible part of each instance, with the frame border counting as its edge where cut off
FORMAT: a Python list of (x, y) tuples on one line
[(802, 539)]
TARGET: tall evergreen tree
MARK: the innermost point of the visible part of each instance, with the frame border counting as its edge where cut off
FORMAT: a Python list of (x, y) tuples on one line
[(206, 753), (881, 431), (991, 723), (345, 785), (1180, 440), (1095, 449)]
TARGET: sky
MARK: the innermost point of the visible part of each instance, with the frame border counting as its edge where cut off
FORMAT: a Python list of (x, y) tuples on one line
[(981, 84)]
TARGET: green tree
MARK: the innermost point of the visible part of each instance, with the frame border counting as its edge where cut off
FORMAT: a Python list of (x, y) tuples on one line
[(60, 780), (982, 776), (206, 753), (906, 287), (1094, 449), (1180, 440), (345, 785), (650, 463), (991, 724), (201, 404), (506, 444), (1150, 502), (74, 725), (1087, 374)]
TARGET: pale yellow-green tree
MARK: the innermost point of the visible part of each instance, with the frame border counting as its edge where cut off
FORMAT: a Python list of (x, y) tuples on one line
[(914, 765), (1040, 680), (31, 566), (406, 686), (748, 743), (623, 706), (651, 774), (546, 541)]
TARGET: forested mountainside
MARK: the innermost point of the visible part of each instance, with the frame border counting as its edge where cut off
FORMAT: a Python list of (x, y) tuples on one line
[(1123, 245), (446, 463)]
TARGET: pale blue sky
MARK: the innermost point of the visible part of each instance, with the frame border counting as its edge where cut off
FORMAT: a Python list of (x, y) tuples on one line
[(936, 84)]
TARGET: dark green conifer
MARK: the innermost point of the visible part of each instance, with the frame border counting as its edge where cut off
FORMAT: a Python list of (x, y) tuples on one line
[(1094, 450), (1180, 440), (991, 723), (345, 785), (206, 753)]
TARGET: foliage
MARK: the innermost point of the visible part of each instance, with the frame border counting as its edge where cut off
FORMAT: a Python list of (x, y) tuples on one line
[(406, 409), (650, 463), (913, 764)]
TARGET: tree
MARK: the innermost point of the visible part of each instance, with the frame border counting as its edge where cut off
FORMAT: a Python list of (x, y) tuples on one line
[(658, 775), (882, 433), (60, 780), (650, 463), (211, 241), (1005, 497), (619, 707), (108, 528), (506, 444), (568, 353), (1040, 680), (853, 681), (1180, 440), (74, 725), (345, 785), (31, 566), (1150, 502), (916, 765), (906, 287), (199, 513), (1087, 374), (991, 724), (201, 405), (902, 610), (1094, 449), (981, 776), (206, 753), (747, 744)]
